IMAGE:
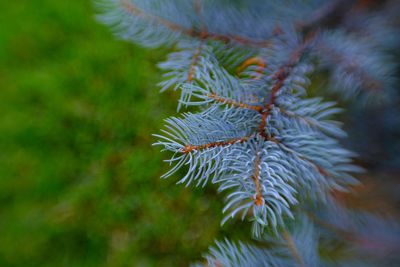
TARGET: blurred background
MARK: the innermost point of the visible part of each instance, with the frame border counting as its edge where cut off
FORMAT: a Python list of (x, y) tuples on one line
[(79, 179)]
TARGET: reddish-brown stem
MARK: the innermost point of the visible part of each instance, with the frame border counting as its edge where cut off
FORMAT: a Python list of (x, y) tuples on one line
[(193, 64), (258, 200), (234, 103), (189, 148), (263, 123), (280, 77)]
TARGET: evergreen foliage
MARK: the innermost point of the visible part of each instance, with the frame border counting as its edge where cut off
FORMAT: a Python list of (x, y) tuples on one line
[(274, 150)]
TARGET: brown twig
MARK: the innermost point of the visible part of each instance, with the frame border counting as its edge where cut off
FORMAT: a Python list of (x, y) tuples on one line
[(280, 77), (194, 62), (234, 103), (258, 200), (189, 148)]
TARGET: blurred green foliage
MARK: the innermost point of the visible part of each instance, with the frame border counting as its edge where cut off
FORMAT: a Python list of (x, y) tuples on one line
[(79, 180)]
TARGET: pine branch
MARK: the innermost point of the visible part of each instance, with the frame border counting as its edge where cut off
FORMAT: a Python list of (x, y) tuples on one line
[(129, 7), (258, 136)]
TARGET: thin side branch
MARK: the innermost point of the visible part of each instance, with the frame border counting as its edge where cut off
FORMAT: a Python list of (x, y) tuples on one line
[(320, 169), (280, 77), (258, 200), (235, 103), (297, 116), (194, 62), (189, 148)]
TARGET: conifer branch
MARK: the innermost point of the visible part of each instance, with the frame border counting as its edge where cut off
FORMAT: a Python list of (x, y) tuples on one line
[(257, 136), (191, 32)]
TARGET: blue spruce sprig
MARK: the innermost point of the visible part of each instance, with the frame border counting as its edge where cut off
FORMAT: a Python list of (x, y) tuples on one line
[(257, 135)]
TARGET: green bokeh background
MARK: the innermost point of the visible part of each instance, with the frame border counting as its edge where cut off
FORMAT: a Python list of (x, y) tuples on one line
[(79, 179)]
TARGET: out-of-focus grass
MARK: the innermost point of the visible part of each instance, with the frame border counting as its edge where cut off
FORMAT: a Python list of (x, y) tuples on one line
[(79, 180)]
